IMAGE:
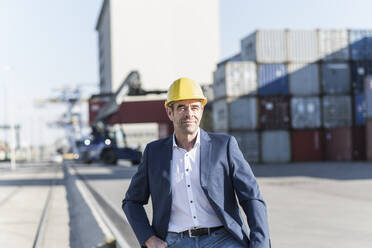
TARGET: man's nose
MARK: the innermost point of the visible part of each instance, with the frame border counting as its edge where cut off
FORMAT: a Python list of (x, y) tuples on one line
[(188, 111)]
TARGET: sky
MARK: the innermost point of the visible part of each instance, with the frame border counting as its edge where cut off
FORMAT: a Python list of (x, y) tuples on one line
[(46, 45)]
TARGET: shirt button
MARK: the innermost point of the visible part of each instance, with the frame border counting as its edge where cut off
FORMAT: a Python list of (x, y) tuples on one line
[(190, 201), (188, 185), (194, 217), (187, 169)]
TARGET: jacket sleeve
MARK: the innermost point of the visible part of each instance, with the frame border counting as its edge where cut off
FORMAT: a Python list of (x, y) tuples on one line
[(138, 195), (249, 196)]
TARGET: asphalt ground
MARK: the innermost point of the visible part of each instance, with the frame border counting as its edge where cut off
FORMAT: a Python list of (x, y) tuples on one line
[(309, 204)]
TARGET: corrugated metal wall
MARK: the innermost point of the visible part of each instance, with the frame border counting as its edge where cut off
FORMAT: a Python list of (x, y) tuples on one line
[(336, 78), (235, 79), (369, 139), (303, 79), (305, 112), (337, 111), (274, 112), (243, 114), (275, 146), (302, 46), (307, 145), (333, 45), (360, 44), (272, 79)]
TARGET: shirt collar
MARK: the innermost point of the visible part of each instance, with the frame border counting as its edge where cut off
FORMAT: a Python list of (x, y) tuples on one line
[(197, 142)]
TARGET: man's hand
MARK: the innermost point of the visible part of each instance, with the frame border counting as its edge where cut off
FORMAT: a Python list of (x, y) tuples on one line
[(155, 242)]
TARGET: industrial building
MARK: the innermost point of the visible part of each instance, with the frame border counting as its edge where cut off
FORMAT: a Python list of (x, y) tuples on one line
[(163, 40)]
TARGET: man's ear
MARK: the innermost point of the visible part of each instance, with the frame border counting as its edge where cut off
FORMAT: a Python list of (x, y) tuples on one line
[(169, 112)]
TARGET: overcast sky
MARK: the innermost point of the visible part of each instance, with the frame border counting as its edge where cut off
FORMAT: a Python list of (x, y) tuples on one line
[(48, 44)]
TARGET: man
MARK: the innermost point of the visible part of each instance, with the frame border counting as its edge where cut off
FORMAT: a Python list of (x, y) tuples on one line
[(194, 178)]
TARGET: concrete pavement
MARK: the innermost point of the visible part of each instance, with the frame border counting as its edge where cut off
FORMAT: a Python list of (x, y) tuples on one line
[(23, 196)]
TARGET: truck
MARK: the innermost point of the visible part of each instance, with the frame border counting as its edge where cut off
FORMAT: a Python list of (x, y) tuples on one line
[(102, 144)]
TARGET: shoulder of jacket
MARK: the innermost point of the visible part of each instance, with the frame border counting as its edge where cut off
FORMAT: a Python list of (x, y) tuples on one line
[(159, 142), (221, 137)]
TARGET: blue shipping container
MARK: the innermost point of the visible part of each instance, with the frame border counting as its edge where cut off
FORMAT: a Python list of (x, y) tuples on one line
[(360, 110), (361, 44), (272, 79), (359, 70)]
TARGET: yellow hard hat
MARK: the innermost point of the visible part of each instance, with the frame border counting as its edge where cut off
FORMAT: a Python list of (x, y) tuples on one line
[(185, 89)]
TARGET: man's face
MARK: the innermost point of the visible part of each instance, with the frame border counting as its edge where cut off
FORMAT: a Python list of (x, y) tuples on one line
[(186, 115)]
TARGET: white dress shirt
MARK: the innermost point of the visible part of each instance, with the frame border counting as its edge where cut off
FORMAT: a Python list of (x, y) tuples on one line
[(190, 207)]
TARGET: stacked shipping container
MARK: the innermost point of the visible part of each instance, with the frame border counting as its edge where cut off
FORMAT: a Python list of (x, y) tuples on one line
[(296, 95)]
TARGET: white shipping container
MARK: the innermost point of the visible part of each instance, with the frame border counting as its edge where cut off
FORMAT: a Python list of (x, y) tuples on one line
[(243, 113), (334, 45), (249, 144), (275, 146), (302, 46), (235, 79), (337, 111), (304, 79), (265, 46), (220, 115), (305, 112)]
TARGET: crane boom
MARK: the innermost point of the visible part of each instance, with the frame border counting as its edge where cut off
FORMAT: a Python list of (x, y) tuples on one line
[(112, 106)]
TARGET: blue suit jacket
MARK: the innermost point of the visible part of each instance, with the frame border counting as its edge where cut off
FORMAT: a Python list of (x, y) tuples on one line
[(225, 177)]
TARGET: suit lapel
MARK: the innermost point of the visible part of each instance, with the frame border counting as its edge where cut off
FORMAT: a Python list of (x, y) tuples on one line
[(166, 162), (205, 152)]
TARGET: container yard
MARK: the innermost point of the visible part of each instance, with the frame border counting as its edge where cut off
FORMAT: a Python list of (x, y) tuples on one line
[(303, 93)]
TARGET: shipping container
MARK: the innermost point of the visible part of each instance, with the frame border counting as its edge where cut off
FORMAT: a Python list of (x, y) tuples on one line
[(305, 112), (235, 58), (274, 112), (369, 139), (302, 46), (338, 144), (235, 79), (243, 113), (275, 146), (265, 46), (220, 115), (361, 44), (359, 143), (307, 145), (208, 91), (272, 79), (359, 71), (249, 144), (333, 45), (359, 110), (336, 78), (368, 96), (303, 79), (336, 111)]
